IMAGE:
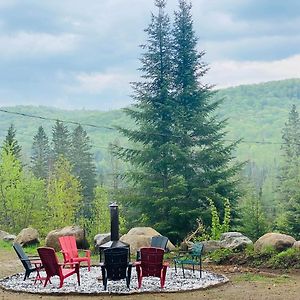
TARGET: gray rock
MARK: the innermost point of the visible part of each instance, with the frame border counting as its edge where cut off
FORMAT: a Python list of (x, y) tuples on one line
[(296, 245), (3, 234), (101, 239), (278, 241), (9, 238), (27, 236), (210, 246), (234, 240)]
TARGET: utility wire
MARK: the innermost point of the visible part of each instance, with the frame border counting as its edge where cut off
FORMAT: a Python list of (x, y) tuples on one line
[(114, 129)]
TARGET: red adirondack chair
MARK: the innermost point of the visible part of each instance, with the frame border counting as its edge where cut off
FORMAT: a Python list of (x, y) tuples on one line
[(53, 267), (70, 251), (151, 264)]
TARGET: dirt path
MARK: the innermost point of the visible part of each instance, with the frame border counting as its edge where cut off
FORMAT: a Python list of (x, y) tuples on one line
[(241, 287)]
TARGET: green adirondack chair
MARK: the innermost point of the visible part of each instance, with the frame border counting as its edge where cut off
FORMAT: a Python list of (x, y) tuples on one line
[(193, 257)]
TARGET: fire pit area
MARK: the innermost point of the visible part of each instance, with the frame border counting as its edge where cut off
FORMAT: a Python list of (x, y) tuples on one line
[(91, 283)]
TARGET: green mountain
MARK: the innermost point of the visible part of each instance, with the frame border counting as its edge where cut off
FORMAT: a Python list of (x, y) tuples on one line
[(256, 113)]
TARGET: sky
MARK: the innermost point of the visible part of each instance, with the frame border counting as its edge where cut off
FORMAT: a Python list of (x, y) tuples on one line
[(83, 54)]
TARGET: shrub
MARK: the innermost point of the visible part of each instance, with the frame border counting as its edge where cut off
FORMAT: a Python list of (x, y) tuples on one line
[(220, 256), (286, 259)]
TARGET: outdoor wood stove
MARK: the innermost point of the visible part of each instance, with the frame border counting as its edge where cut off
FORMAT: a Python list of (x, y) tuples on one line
[(114, 231)]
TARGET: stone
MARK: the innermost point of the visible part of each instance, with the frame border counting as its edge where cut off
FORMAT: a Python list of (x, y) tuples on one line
[(234, 241), (278, 241), (210, 246), (9, 238), (101, 239), (52, 237), (27, 236), (141, 237), (296, 245), (3, 234)]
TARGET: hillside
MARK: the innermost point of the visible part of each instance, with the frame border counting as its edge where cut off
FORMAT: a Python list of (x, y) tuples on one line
[(255, 113)]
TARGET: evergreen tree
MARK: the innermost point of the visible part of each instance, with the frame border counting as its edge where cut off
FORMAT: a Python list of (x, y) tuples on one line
[(61, 141), (180, 160), (40, 157), (11, 144), (84, 168), (204, 161), (289, 192)]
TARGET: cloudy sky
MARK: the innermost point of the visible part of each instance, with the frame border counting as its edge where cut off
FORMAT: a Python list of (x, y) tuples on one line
[(83, 53)]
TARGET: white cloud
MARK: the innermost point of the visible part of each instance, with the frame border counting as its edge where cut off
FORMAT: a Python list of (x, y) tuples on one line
[(232, 73), (31, 44), (95, 83)]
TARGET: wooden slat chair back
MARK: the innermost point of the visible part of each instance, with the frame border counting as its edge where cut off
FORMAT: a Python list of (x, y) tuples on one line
[(116, 265), (151, 264), (70, 251), (26, 261), (53, 267)]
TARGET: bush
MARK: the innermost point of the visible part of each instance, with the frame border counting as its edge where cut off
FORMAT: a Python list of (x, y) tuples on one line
[(220, 256), (286, 259)]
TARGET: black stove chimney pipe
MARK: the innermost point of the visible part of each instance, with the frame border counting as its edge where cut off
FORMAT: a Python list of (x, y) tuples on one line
[(114, 222)]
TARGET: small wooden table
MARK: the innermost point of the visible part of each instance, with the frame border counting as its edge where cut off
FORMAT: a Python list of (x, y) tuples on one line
[(38, 266)]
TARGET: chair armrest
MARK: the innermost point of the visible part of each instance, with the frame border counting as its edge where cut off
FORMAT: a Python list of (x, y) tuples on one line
[(166, 264), (137, 264)]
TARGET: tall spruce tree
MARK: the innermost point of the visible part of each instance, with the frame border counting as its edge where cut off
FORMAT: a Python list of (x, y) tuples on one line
[(181, 160), (61, 141), (289, 192), (205, 161), (11, 143), (40, 154), (84, 168)]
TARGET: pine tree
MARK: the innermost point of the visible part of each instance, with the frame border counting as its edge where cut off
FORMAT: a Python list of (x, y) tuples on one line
[(84, 168), (153, 158), (205, 162), (11, 143), (180, 160), (40, 157), (61, 141), (289, 203)]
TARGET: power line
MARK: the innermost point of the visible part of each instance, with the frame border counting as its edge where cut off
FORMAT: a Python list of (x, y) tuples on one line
[(56, 119), (114, 129)]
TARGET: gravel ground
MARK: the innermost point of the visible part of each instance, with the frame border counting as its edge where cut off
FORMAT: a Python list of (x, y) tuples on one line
[(92, 284)]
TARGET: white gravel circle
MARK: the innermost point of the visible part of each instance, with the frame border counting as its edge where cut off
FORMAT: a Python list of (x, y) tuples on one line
[(90, 283)]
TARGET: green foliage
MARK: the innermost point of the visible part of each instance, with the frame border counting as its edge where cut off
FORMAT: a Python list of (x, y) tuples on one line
[(84, 168), (64, 195), (21, 195), (252, 219), (220, 256), (217, 228), (40, 155), (286, 259), (61, 141), (99, 222), (11, 143)]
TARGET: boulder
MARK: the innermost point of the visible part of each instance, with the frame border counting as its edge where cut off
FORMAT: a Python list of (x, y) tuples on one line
[(27, 236), (234, 240), (3, 234), (78, 232), (278, 241), (296, 245), (101, 239), (141, 237), (9, 238), (210, 246)]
